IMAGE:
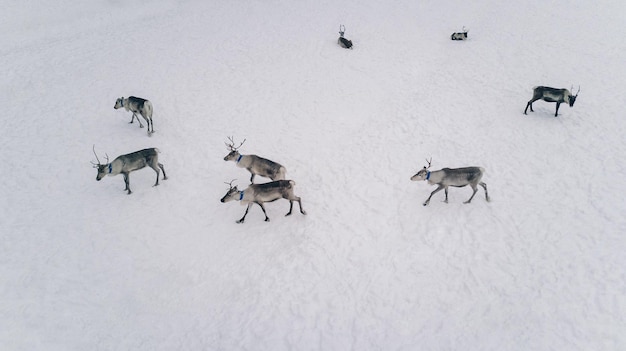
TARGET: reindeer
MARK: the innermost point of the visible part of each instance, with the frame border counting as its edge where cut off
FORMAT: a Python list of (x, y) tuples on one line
[(343, 42), (254, 164), (552, 95), (459, 35), (137, 105), (261, 193), (457, 177), (125, 164)]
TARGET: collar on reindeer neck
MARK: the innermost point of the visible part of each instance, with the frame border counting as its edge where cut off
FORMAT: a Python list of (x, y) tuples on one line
[(110, 168), (239, 159), (427, 175), (240, 195)]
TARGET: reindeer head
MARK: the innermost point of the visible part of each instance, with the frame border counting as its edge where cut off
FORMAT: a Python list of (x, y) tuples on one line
[(103, 169), (423, 173), (233, 155), (232, 193), (572, 98), (119, 103)]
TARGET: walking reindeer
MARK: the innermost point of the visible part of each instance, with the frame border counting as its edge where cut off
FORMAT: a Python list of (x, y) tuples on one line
[(137, 105), (254, 164), (343, 42), (456, 177), (125, 164), (261, 193), (552, 95)]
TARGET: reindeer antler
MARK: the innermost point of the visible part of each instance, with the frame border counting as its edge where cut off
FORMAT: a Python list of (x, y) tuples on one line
[(94, 152), (231, 183), (231, 146), (429, 161), (97, 159)]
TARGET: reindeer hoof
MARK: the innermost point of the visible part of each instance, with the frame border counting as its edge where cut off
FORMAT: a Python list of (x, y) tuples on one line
[(239, 221), (267, 219), (288, 214)]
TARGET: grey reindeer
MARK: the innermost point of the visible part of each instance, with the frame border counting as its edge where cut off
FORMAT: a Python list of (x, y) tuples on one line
[(137, 105), (125, 164), (459, 35), (343, 42), (254, 164), (552, 95), (456, 177), (261, 193)]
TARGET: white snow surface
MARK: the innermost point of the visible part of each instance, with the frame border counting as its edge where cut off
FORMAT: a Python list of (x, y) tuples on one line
[(83, 266)]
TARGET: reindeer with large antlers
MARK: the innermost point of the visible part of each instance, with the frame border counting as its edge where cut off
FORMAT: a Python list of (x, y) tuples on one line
[(457, 177), (125, 164), (343, 42), (254, 164), (261, 193)]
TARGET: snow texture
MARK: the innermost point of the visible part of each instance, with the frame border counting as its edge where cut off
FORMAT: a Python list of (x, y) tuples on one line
[(83, 266)]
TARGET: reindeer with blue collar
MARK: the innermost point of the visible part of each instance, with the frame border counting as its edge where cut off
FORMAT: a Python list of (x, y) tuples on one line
[(457, 177), (125, 164), (261, 193)]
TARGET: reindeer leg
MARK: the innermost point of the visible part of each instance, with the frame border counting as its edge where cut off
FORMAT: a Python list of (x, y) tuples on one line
[(296, 198), (148, 123), (530, 104), (446, 192), (127, 182), (300, 204), (252, 178), (245, 214), (486, 193), (163, 169), (157, 172), (557, 109), (138, 120), (475, 188), (267, 219), (433, 193)]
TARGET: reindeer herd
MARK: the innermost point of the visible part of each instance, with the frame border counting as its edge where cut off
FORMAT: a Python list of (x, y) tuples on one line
[(281, 188)]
